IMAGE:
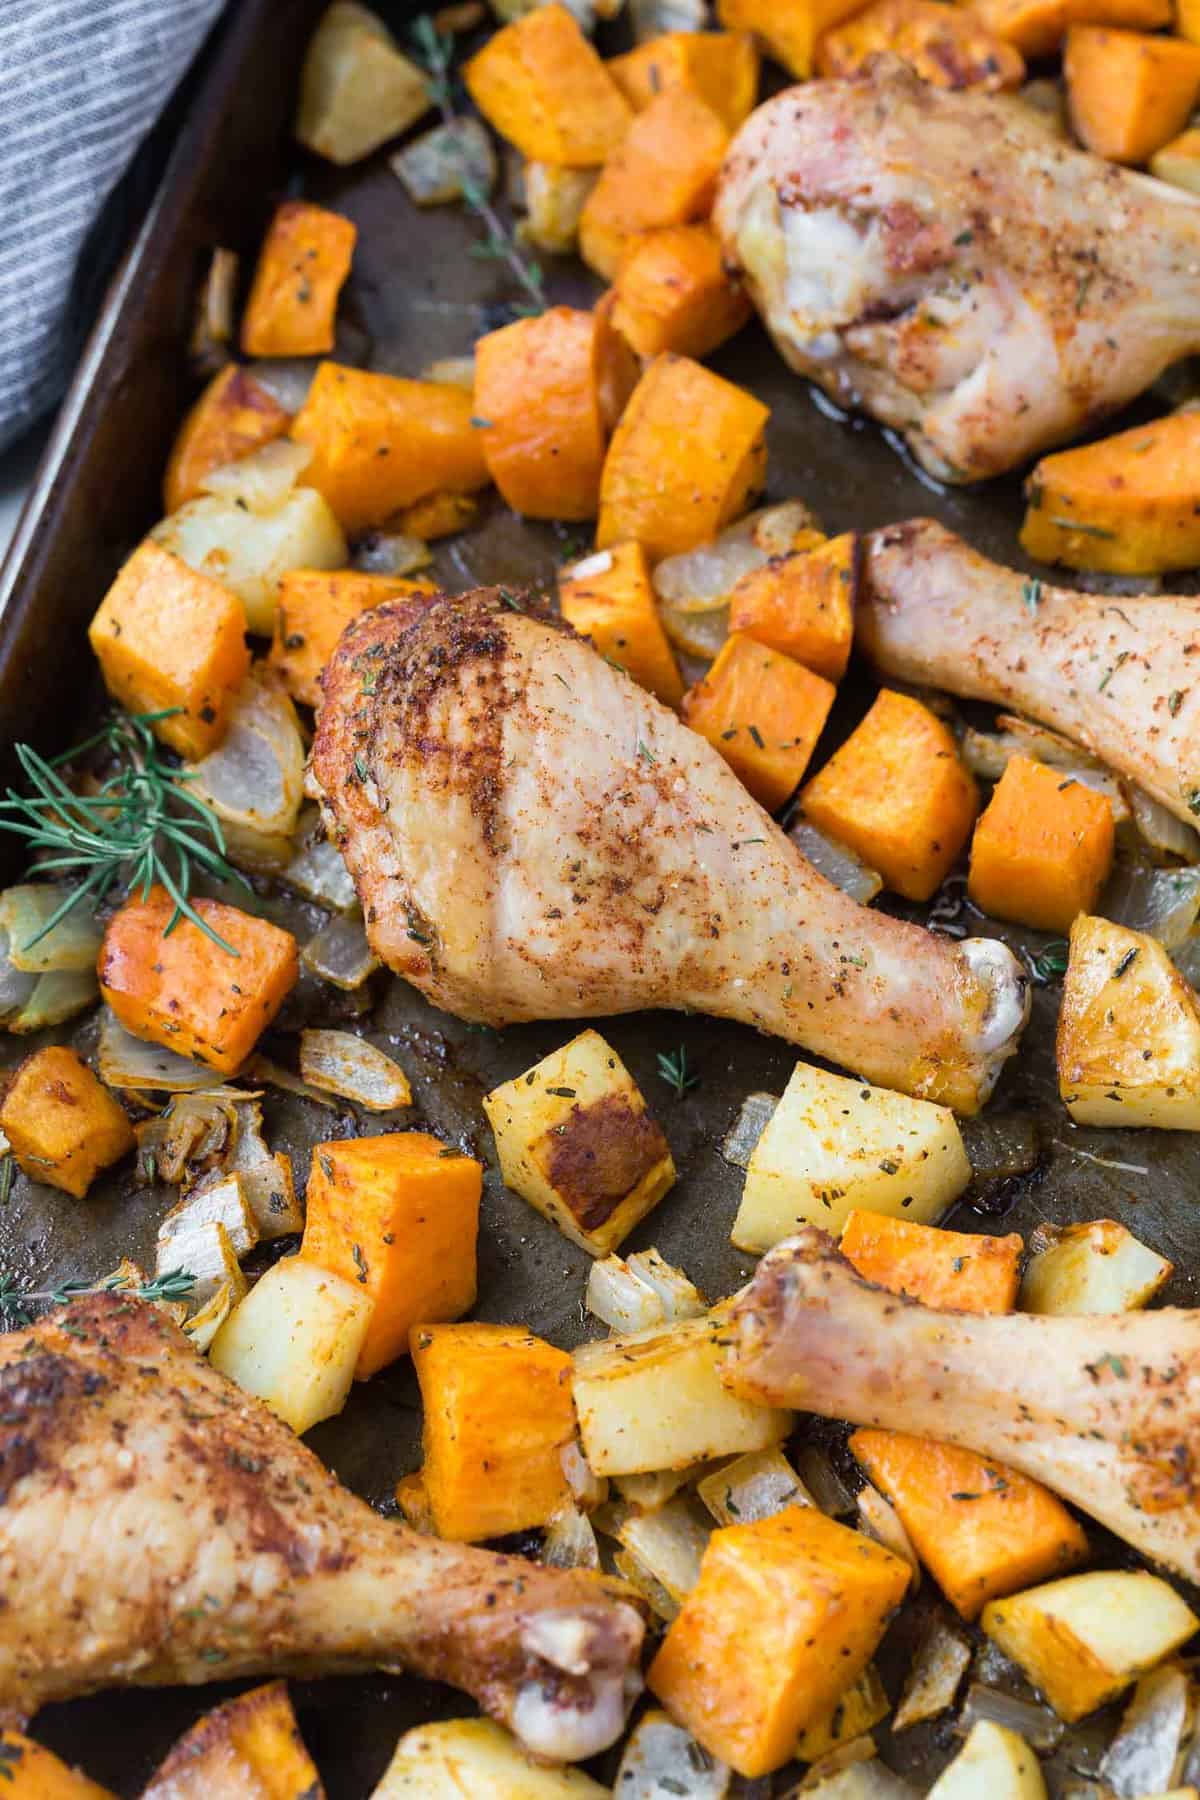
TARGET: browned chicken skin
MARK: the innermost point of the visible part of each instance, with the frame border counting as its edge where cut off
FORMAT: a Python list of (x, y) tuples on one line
[(1104, 1410), (534, 836), (157, 1525)]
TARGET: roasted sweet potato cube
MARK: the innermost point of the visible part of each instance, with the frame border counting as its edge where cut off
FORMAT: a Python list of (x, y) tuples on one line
[(1128, 94), (672, 491), (437, 515), (960, 1271), (574, 1138), (543, 87), (802, 603), (1042, 849), (64, 1127), (380, 442), (397, 1214), (609, 598), (789, 29), (980, 1528), (664, 172), (1126, 504), (948, 46), (784, 1618), (315, 608), (166, 636), (543, 391), (498, 1415), (180, 988), (304, 260), (1037, 27), (233, 416), (672, 293), (720, 66), (31, 1772), (764, 712), (898, 794), (248, 1745)]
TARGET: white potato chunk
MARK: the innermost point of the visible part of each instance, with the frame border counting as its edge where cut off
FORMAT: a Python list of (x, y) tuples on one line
[(752, 1487), (294, 1341), (356, 89), (554, 200), (457, 1757), (1084, 1639), (574, 1138), (833, 1144), (655, 1400), (1128, 1032), (993, 1764), (1096, 1267), (249, 551), (661, 1760)]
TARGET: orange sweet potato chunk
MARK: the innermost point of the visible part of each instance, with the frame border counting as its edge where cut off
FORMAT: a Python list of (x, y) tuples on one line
[(784, 1618), (609, 598), (64, 1127), (233, 416), (788, 29), (955, 1270), (672, 490), (1128, 94), (380, 442), (720, 66), (498, 1414), (544, 391), (981, 1529), (1037, 27), (315, 607), (437, 515), (167, 636), (542, 86), (179, 988), (764, 712), (1125, 503), (948, 46), (663, 173), (247, 1746), (34, 1773), (802, 604), (1043, 848), (897, 794), (672, 293), (304, 260), (398, 1215)]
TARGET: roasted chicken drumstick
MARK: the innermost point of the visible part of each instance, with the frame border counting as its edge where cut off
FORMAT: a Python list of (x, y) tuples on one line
[(941, 260), (1104, 1410), (158, 1526), (533, 836), (1119, 676)]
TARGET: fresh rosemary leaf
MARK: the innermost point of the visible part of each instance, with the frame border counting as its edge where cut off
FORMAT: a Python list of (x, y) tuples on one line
[(673, 1069)]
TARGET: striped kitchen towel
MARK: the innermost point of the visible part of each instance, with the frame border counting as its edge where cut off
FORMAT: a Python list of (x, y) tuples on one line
[(82, 82)]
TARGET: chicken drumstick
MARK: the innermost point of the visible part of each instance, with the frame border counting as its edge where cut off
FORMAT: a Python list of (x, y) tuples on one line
[(1121, 677), (1106, 1411), (941, 260), (158, 1526), (533, 836)]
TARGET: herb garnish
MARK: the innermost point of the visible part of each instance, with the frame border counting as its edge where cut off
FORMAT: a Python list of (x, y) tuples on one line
[(673, 1069), (15, 1302), (1050, 962), (1031, 596)]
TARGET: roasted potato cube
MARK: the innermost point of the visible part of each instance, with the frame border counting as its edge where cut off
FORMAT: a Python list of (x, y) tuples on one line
[(294, 1341), (1084, 1639), (1128, 1032), (833, 1144), (356, 89), (168, 636), (31, 1772), (251, 1745), (457, 1757), (62, 1125), (1097, 1267), (994, 1764), (655, 1400), (574, 1138), (554, 201)]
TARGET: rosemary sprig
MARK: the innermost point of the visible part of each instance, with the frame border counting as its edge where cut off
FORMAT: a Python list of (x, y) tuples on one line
[(1051, 962), (673, 1069), (436, 53), (15, 1301), (141, 828)]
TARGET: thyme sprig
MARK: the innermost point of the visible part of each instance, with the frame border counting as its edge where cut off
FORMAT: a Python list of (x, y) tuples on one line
[(436, 53), (141, 827), (1051, 962), (16, 1302), (673, 1069)]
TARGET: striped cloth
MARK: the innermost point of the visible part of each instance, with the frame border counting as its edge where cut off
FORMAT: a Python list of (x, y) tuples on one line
[(82, 82)]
